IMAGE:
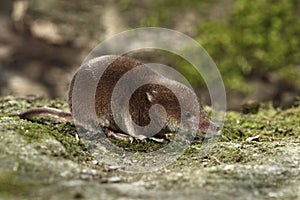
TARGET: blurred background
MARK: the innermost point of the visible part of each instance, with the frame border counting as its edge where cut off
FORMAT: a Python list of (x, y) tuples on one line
[(255, 44)]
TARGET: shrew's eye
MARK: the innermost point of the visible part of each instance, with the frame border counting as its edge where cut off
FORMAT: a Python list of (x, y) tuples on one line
[(188, 115)]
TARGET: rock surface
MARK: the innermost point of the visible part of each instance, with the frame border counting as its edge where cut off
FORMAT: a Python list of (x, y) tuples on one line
[(41, 160)]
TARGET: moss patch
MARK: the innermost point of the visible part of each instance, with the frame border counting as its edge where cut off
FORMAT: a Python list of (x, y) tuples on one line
[(269, 123)]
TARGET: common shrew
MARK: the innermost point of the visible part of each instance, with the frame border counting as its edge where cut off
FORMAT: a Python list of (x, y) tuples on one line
[(125, 79)]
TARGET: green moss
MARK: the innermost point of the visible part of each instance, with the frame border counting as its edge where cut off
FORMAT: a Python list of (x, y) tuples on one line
[(36, 132), (76, 148), (249, 43), (274, 126), (33, 132), (65, 134), (269, 123), (10, 104), (41, 129)]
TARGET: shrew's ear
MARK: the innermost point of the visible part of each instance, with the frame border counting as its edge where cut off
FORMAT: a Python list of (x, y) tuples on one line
[(151, 95)]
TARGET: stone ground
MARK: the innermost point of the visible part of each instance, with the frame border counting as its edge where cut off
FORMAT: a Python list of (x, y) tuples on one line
[(256, 157)]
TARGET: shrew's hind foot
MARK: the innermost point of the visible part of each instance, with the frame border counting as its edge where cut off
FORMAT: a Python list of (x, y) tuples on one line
[(131, 139), (120, 136)]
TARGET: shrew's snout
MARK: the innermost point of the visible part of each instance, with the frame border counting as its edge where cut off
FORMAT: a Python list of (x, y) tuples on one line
[(203, 124)]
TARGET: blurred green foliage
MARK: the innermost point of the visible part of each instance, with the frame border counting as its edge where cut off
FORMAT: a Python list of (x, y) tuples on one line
[(258, 38), (167, 12), (248, 40)]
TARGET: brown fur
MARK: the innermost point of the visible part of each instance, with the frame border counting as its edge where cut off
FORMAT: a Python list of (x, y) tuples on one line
[(142, 99)]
